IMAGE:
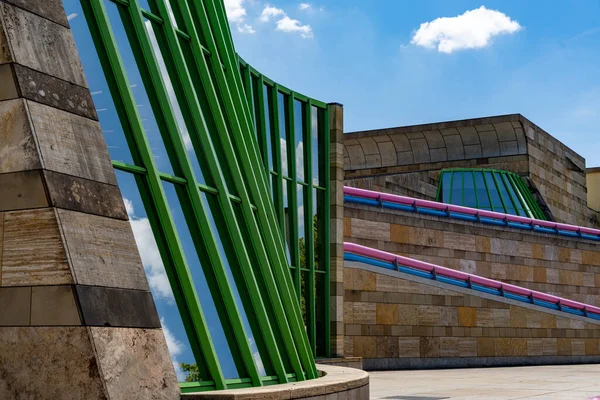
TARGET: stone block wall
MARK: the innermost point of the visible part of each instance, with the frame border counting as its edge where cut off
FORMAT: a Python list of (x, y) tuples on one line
[(77, 319), (408, 161), (546, 262), (396, 321)]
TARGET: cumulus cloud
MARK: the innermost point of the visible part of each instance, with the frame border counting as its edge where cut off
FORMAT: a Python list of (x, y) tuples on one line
[(72, 16), (236, 13), (269, 12), (245, 28), (285, 23), (153, 265), (175, 348), (304, 6), (471, 30)]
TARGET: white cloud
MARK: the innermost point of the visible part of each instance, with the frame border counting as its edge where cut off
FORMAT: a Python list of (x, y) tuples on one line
[(153, 265), (235, 10), (286, 24), (304, 6), (128, 206), (175, 348), (471, 30), (236, 13), (269, 12), (72, 16), (245, 29)]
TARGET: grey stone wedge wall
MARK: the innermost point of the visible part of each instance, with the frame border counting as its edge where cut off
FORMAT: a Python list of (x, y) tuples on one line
[(77, 319)]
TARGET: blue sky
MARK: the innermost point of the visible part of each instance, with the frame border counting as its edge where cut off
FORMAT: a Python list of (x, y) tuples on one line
[(360, 54)]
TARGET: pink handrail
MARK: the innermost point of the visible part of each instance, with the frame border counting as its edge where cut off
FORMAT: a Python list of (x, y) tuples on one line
[(471, 279), (392, 198)]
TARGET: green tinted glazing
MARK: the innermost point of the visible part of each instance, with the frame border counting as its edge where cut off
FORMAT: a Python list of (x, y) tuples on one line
[(492, 190)]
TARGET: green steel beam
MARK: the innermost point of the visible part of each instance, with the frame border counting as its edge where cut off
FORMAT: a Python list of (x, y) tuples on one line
[(195, 321)]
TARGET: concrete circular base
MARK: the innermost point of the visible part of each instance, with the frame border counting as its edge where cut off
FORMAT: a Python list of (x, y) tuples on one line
[(336, 383)]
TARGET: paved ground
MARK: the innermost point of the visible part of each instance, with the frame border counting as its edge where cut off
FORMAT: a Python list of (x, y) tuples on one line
[(547, 382)]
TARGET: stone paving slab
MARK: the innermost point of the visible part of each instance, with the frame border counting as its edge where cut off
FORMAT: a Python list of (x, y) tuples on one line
[(563, 382)]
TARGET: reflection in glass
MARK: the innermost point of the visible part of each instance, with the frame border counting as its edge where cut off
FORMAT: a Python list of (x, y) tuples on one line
[(286, 217), (493, 190), (299, 139), (181, 125), (469, 196), (513, 196), (153, 135), (314, 129), (267, 116), (211, 205), (215, 324), (482, 194), (173, 327), (446, 179), (283, 133), (301, 232), (456, 195), (510, 209), (118, 148), (318, 201)]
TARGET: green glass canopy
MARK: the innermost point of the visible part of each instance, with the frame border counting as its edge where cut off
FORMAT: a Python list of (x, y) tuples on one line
[(487, 189)]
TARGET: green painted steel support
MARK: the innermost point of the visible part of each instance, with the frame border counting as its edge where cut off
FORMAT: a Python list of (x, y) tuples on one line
[(105, 42), (276, 146), (273, 242), (265, 212)]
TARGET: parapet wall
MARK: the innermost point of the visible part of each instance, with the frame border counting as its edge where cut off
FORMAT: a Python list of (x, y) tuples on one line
[(548, 263)]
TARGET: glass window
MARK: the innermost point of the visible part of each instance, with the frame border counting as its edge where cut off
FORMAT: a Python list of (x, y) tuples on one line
[(287, 217), (314, 129), (170, 318), (469, 196), (515, 198), (301, 231), (157, 145), (494, 194), (181, 123), (456, 196), (482, 193), (446, 189), (508, 205), (318, 203), (267, 97), (282, 118), (299, 139), (228, 255), (108, 116), (209, 308)]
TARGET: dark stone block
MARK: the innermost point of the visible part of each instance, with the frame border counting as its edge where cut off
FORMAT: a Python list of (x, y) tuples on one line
[(78, 194), (101, 306), (49, 9), (54, 92), (54, 305), (22, 191), (15, 305)]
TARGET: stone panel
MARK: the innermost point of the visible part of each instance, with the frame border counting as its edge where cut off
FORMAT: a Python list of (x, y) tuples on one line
[(22, 190), (15, 306), (8, 89), (54, 92), (54, 305), (71, 144), (42, 45), (102, 251), (74, 353), (77, 194), (135, 355), (49, 9), (19, 150), (33, 252)]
